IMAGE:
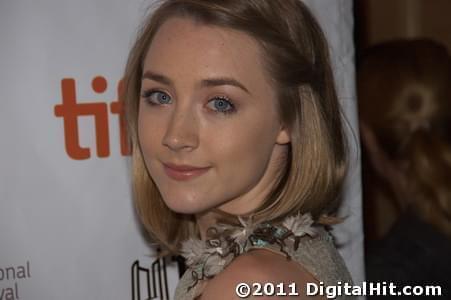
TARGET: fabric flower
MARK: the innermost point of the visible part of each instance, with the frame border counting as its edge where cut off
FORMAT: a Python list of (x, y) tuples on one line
[(192, 250), (208, 258), (300, 225)]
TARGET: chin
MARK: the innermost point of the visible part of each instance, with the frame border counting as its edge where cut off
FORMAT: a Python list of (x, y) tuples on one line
[(182, 205)]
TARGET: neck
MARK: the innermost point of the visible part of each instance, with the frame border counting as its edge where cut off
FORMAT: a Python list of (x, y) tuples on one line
[(204, 221), (211, 217)]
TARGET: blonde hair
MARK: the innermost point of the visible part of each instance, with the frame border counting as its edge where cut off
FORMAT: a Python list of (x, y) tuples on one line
[(404, 96), (296, 56)]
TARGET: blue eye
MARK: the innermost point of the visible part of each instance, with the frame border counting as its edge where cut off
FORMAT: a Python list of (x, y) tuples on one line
[(222, 105), (157, 97)]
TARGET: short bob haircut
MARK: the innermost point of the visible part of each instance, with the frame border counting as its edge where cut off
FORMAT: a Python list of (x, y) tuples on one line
[(296, 57)]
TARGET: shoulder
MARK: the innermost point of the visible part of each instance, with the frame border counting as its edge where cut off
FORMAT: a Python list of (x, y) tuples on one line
[(258, 266)]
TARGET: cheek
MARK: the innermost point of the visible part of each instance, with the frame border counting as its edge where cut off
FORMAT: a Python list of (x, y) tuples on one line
[(149, 135), (243, 150)]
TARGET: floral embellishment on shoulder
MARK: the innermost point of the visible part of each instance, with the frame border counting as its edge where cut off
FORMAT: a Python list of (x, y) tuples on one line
[(300, 225), (207, 258)]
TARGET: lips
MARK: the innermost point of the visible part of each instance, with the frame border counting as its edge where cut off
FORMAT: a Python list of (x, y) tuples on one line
[(183, 172)]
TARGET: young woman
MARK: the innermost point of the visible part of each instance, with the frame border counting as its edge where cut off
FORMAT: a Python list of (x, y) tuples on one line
[(238, 147)]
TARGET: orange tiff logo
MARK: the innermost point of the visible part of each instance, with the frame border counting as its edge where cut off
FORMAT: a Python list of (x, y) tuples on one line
[(70, 110)]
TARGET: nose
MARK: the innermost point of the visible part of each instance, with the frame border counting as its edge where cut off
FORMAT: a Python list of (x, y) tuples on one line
[(182, 130)]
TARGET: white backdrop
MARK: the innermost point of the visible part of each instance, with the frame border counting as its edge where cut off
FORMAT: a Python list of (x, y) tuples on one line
[(67, 227)]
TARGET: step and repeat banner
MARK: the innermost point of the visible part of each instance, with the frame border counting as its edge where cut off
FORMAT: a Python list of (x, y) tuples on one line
[(67, 224)]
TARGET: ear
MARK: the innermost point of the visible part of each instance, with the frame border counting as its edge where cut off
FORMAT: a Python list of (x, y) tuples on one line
[(283, 137)]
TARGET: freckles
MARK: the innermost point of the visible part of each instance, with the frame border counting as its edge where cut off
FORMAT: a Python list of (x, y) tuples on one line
[(246, 137), (149, 138), (239, 146)]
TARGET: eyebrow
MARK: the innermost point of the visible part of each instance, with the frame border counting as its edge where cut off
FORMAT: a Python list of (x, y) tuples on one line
[(210, 82), (157, 77)]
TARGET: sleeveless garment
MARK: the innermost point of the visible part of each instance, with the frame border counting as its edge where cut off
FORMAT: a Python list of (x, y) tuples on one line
[(310, 246)]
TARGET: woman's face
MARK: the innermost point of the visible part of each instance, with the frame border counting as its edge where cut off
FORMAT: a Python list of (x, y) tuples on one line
[(208, 124)]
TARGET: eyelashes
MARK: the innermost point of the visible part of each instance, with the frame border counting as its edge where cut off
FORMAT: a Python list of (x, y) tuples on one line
[(219, 104), (154, 97)]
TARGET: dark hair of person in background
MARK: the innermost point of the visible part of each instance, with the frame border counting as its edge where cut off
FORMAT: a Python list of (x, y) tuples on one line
[(404, 104)]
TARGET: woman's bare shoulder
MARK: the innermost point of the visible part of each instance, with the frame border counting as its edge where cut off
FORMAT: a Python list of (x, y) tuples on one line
[(258, 266)]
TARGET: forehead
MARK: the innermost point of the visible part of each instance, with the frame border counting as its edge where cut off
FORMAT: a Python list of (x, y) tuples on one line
[(182, 45)]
